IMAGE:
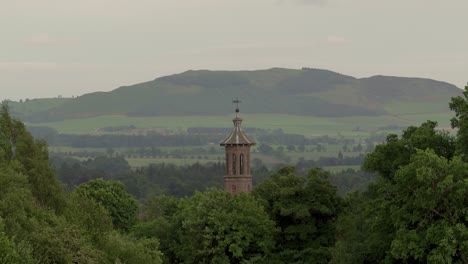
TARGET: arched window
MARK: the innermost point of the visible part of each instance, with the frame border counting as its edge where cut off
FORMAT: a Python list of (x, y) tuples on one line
[(241, 163), (234, 164)]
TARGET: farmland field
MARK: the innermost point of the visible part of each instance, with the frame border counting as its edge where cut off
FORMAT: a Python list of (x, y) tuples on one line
[(356, 126), (142, 162)]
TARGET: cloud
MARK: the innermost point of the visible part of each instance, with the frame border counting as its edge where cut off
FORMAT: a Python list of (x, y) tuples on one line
[(41, 39), (305, 2), (313, 2), (336, 40), (27, 65), (21, 66)]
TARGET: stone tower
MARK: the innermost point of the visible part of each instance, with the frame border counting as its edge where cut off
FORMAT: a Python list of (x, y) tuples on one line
[(237, 146)]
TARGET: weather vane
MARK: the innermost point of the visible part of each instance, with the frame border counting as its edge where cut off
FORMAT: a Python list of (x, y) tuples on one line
[(237, 101)]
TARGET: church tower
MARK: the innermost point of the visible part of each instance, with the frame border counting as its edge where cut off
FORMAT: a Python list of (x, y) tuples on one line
[(237, 146)]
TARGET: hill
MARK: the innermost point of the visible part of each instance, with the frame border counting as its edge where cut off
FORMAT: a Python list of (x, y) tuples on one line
[(33, 106), (311, 92)]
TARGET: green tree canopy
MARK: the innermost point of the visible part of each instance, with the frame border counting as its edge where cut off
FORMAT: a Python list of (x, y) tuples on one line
[(305, 210), (416, 212), (429, 209), (387, 158), (40, 223), (217, 227), (122, 206), (31, 159), (459, 105)]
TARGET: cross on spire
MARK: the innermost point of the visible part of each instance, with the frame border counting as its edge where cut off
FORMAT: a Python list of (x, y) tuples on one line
[(236, 101)]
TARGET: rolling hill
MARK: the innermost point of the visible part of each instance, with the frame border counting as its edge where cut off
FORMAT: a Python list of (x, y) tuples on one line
[(311, 92)]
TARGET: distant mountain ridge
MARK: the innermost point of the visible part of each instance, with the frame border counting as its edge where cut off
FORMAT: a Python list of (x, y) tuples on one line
[(287, 91)]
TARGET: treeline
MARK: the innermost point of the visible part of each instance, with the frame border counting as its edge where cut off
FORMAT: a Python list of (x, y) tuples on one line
[(303, 164), (155, 179), (143, 152), (221, 130), (123, 141), (148, 181), (183, 180), (275, 137), (116, 128)]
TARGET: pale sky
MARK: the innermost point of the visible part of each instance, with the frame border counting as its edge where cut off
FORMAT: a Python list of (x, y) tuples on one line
[(69, 47)]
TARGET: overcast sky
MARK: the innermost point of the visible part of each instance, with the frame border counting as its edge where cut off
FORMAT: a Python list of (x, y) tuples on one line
[(70, 47)]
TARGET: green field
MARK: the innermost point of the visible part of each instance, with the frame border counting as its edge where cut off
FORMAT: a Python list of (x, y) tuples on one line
[(199, 154), (356, 126), (73, 150)]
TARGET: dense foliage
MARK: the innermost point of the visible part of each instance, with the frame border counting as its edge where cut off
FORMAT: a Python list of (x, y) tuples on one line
[(304, 209), (41, 223), (216, 227), (121, 206), (459, 105), (417, 210)]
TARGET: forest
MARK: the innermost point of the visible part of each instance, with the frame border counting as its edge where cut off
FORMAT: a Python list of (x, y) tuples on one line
[(410, 207)]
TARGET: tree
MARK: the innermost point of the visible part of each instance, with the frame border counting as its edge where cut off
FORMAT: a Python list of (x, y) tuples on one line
[(122, 206), (358, 148), (387, 158), (31, 158), (110, 152), (8, 253), (304, 209), (15, 201), (340, 155), (217, 227), (88, 214), (267, 149), (429, 210), (419, 216), (301, 148), (364, 230), (39, 223), (126, 249), (416, 211), (459, 105), (158, 222), (39, 234)]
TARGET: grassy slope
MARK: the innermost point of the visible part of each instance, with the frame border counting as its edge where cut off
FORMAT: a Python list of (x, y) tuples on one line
[(306, 125), (36, 105)]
